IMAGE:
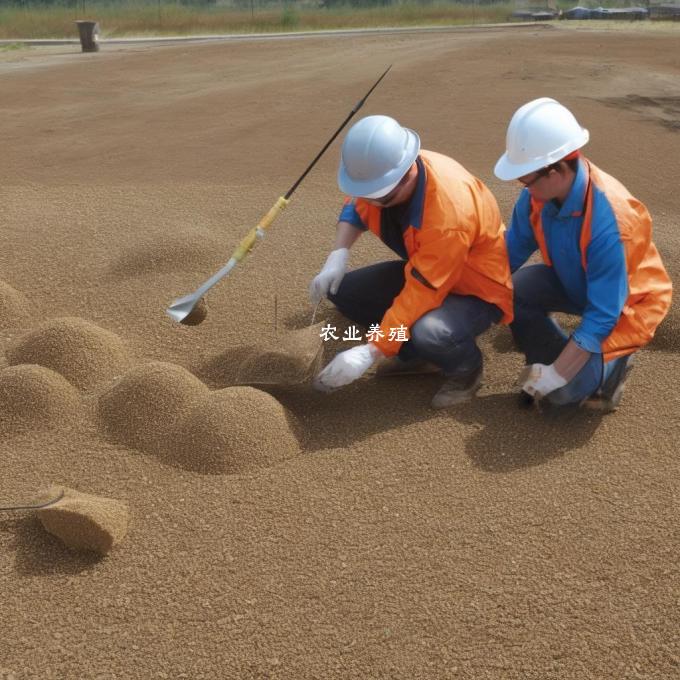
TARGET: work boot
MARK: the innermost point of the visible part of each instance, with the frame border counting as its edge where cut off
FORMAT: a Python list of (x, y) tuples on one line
[(457, 389), (608, 397), (394, 366)]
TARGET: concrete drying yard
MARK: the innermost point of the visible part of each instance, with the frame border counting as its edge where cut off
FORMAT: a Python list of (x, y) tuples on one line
[(288, 533)]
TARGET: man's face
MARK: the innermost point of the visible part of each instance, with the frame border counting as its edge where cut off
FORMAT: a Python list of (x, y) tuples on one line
[(400, 194), (547, 184), (538, 183)]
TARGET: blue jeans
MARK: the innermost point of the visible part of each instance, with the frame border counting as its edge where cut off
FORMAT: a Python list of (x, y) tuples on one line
[(444, 336), (537, 292)]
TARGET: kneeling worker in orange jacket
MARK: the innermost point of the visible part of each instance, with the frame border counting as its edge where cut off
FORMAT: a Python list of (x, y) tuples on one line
[(599, 262), (452, 279)]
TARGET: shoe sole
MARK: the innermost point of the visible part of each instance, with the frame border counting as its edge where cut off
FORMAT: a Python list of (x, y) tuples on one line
[(458, 397), (610, 404)]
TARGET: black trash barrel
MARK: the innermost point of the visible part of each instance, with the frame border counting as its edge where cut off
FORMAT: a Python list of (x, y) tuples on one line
[(89, 35)]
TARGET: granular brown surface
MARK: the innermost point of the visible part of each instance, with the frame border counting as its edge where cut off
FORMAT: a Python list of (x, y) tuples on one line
[(296, 359), (482, 543), (289, 357), (83, 353), (163, 409), (35, 397), (197, 315), (84, 522), (147, 406), (14, 307), (235, 429)]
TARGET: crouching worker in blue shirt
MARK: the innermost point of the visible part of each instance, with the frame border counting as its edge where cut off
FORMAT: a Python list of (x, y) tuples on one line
[(599, 262)]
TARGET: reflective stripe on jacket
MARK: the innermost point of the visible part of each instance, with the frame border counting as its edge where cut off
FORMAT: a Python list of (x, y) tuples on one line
[(454, 242), (649, 291)]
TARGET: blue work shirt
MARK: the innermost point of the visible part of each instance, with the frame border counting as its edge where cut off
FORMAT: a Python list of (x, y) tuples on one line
[(601, 290)]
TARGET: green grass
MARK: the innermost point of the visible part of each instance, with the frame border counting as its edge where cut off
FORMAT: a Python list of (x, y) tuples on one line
[(143, 19), (12, 46), (125, 18)]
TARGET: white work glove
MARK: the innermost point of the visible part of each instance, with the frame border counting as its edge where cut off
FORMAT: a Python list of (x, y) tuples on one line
[(328, 279), (347, 367), (538, 380)]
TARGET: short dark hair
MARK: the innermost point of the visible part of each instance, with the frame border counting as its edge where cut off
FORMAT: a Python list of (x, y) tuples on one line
[(572, 163)]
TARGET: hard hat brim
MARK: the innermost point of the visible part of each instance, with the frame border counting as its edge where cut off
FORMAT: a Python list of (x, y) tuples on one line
[(506, 170), (377, 188)]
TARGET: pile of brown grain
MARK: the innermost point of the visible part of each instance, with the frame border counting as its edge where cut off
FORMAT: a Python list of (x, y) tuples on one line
[(35, 397), (163, 409), (234, 430), (80, 351), (146, 406), (290, 358)]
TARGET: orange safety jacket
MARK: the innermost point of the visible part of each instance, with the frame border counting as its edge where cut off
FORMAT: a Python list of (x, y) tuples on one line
[(455, 244), (649, 286)]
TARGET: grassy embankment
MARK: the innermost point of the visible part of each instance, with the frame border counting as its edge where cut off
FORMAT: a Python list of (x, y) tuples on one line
[(168, 18)]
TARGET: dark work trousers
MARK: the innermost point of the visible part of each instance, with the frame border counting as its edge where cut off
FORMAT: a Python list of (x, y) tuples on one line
[(444, 336), (538, 292)]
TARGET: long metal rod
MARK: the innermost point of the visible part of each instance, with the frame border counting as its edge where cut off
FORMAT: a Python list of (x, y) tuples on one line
[(357, 106), (34, 507), (181, 308)]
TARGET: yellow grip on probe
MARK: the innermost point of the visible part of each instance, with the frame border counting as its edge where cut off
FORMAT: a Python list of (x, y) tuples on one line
[(251, 237)]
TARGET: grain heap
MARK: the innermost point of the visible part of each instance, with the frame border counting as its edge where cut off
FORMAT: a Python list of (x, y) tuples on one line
[(163, 409), (291, 358), (82, 352), (234, 430), (147, 405), (35, 397)]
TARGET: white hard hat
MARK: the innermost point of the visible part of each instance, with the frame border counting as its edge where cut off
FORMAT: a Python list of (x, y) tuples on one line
[(540, 133), (376, 154)]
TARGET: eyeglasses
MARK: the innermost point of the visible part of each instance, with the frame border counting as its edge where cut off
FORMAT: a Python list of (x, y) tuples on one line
[(388, 198), (543, 172)]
